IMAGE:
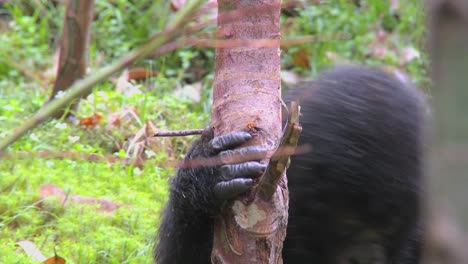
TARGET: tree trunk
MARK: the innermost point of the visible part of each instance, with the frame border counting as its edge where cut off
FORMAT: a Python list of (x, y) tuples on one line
[(73, 48), (449, 50), (247, 97), (448, 42)]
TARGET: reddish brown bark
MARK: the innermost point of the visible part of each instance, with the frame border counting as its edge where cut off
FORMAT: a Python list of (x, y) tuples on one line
[(73, 47), (247, 97)]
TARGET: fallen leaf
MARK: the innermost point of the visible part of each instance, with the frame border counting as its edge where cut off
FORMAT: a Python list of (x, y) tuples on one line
[(140, 73), (55, 260), (90, 121), (31, 250), (105, 206), (50, 190), (301, 58)]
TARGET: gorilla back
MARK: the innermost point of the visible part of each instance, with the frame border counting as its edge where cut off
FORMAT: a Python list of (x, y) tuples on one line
[(354, 198)]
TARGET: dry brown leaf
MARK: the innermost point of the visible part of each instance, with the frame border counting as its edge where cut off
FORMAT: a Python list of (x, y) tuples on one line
[(301, 58), (55, 260), (105, 206), (50, 190), (140, 73), (90, 121)]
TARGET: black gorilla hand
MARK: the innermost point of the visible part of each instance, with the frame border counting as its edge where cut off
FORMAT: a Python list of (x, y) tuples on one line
[(197, 192), (237, 178)]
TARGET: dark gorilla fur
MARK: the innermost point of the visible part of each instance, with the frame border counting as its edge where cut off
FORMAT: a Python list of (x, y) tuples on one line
[(354, 198)]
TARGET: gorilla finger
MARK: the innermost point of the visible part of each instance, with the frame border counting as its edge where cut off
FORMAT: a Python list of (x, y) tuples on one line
[(231, 189), (240, 155), (230, 140), (250, 169)]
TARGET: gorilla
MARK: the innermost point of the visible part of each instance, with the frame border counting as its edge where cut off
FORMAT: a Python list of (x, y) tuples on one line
[(355, 198)]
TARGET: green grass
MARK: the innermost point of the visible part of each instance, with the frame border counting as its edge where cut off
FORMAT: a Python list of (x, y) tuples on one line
[(348, 30), (80, 233)]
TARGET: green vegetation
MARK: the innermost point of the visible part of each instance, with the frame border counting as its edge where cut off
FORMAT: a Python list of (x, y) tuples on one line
[(354, 34), (94, 161)]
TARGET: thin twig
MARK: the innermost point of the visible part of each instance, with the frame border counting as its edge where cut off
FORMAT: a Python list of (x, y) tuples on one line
[(178, 133)]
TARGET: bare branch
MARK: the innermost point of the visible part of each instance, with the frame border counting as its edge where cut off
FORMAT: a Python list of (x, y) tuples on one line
[(280, 160), (178, 133)]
